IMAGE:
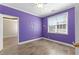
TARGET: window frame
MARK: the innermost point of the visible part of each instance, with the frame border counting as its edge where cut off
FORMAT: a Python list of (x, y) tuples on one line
[(59, 31)]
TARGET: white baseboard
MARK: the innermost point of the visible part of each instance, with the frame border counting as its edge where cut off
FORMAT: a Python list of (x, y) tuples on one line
[(20, 43), (70, 45)]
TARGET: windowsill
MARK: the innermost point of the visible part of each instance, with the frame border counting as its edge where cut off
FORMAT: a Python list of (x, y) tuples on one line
[(59, 33)]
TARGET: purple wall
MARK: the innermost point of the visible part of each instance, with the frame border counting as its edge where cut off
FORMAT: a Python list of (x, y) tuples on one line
[(29, 26), (61, 37)]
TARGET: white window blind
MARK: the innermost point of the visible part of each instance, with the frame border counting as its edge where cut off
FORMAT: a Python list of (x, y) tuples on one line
[(58, 23)]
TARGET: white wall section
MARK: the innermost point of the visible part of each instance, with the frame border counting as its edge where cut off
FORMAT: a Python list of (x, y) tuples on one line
[(77, 26), (10, 27), (1, 32)]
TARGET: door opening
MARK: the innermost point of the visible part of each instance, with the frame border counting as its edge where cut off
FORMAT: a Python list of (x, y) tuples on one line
[(10, 31)]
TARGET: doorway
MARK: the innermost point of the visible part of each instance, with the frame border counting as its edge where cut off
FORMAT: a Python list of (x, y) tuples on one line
[(10, 31)]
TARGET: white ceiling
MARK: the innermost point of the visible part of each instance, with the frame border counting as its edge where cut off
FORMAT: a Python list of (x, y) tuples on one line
[(48, 8)]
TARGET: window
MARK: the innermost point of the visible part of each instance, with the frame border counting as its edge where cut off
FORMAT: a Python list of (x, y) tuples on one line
[(58, 23)]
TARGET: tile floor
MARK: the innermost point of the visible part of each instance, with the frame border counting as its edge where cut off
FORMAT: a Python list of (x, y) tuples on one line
[(39, 47)]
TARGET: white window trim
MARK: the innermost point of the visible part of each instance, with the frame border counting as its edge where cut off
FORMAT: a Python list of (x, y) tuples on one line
[(49, 18)]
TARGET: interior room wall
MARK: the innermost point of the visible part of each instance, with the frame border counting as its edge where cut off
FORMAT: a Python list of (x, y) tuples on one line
[(10, 28), (70, 38), (77, 26), (29, 25), (1, 32), (77, 22)]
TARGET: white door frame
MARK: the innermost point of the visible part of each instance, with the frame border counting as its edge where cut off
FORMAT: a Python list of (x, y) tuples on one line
[(4, 15)]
